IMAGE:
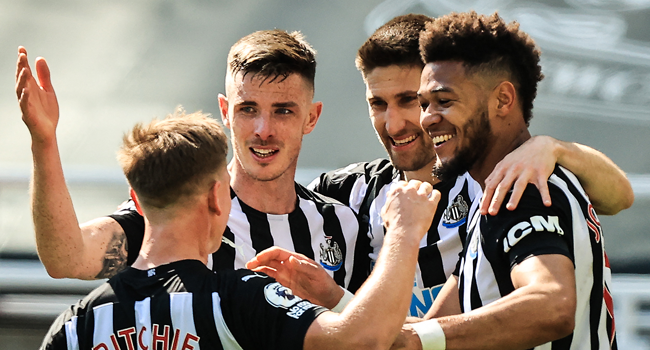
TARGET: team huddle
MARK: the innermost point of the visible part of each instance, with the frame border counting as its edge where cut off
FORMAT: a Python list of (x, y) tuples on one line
[(471, 235)]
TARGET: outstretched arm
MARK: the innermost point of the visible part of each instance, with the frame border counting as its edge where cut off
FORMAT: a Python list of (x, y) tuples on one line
[(374, 317), (98, 248), (533, 162)]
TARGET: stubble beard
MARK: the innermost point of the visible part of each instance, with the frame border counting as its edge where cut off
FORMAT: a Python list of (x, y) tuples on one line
[(478, 132)]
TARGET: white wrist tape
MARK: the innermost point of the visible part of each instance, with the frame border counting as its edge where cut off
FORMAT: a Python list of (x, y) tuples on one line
[(431, 335), (345, 299)]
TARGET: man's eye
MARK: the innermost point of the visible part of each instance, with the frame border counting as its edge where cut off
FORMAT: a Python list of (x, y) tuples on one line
[(444, 102), (247, 109), (378, 105), (408, 100), (283, 111)]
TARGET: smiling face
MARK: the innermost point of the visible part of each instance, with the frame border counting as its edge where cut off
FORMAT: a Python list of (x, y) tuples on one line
[(267, 119), (395, 114), (455, 115)]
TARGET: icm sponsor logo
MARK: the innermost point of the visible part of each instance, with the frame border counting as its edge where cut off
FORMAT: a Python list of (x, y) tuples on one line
[(456, 213), (331, 257), (279, 295), (297, 310), (536, 223)]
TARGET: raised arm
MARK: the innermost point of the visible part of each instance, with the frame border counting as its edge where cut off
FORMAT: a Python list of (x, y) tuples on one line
[(374, 317), (533, 162), (97, 249)]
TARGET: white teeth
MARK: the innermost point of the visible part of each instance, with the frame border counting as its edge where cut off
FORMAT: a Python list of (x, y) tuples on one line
[(404, 141), (263, 152), (442, 138)]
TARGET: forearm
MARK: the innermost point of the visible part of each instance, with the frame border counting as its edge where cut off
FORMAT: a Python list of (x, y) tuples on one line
[(520, 320), (58, 236), (606, 184), (369, 320)]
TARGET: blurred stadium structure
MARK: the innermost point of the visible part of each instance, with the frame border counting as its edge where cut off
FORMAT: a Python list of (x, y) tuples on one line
[(118, 63)]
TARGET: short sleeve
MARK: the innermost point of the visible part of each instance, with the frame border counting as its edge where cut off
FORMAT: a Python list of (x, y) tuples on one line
[(133, 225), (266, 315)]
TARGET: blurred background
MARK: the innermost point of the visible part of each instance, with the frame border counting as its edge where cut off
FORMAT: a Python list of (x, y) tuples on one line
[(125, 61)]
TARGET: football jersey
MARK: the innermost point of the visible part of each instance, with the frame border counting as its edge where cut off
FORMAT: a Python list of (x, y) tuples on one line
[(364, 187), (184, 305), (570, 227), (321, 228)]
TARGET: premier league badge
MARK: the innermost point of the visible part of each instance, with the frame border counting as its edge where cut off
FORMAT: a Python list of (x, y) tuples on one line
[(456, 213), (331, 257)]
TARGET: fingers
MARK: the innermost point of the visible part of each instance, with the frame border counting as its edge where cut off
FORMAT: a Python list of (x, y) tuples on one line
[(43, 72), (22, 60), (267, 256), (517, 192), (542, 186)]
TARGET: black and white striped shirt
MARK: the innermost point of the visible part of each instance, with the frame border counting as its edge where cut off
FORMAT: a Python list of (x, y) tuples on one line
[(364, 186), (320, 228), (569, 227), (181, 306)]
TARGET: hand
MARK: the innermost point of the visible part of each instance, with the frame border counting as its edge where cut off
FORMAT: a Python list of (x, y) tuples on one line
[(533, 162), (410, 206), (37, 101), (302, 275), (407, 339)]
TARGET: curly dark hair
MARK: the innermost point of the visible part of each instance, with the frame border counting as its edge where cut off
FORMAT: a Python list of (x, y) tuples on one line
[(394, 43), (273, 54), (486, 44)]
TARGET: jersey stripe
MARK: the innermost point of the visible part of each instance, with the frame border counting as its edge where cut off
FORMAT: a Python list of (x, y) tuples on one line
[(71, 334), (103, 325), (228, 341), (300, 231), (143, 323)]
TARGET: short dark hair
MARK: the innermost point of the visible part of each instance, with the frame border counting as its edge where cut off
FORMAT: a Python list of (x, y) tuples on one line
[(273, 54), (166, 160), (394, 43), (486, 44)]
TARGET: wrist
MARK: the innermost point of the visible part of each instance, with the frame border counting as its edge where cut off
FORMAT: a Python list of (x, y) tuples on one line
[(431, 335), (345, 299)]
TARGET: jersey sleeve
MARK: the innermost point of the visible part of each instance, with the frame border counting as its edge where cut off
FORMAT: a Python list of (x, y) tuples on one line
[(266, 315), (533, 229), (338, 184), (133, 225)]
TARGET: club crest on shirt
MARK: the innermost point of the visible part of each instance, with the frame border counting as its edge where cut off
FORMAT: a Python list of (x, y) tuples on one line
[(279, 295), (331, 257), (456, 213)]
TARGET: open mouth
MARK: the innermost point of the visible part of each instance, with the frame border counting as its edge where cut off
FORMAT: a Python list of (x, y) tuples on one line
[(439, 140), (405, 141), (263, 152)]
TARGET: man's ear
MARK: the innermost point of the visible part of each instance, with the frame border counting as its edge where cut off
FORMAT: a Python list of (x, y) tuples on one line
[(315, 110), (213, 198), (504, 97), (136, 201), (223, 107)]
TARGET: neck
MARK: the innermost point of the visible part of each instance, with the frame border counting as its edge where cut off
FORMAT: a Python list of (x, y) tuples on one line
[(277, 196), (169, 238), (499, 148), (423, 174)]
